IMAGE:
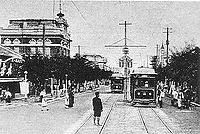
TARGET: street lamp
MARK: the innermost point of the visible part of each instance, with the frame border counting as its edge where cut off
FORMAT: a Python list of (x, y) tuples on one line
[(25, 76)]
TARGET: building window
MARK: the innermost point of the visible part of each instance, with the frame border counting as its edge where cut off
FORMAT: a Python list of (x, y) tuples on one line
[(48, 41), (47, 50), (7, 41), (55, 51), (16, 49), (32, 41), (27, 50), (16, 41), (40, 50), (21, 50), (39, 41), (33, 50)]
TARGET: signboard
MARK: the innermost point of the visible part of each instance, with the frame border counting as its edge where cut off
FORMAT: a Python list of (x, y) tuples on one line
[(24, 87)]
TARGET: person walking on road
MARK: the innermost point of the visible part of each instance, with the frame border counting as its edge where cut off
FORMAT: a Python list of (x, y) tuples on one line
[(42, 94), (66, 99), (8, 96), (97, 108), (160, 98), (71, 99), (44, 104)]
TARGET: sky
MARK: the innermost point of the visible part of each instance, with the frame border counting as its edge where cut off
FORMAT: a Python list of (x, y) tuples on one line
[(94, 24)]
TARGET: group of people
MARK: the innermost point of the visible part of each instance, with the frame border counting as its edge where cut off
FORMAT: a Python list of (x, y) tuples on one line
[(69, 100), (181, 95)]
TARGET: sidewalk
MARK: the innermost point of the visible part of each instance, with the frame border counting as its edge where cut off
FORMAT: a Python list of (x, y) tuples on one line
[(20, 99)]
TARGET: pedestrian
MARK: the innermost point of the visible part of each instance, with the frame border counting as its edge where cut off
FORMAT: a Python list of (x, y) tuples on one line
[(97, 108), (71, 98), (172, 92), (180, 99), (44, 104), (160, 99), (188, 97), (158, 89), (42, 94), (66, 99), (8, 96)]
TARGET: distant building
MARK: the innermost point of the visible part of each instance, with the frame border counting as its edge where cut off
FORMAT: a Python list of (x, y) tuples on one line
[(31, 36), (97, 59)]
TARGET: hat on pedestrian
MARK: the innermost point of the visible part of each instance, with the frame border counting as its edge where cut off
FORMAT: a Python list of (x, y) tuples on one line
[(96, 93)]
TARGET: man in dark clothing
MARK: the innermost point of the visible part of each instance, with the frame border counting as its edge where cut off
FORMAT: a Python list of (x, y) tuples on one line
[(71, 99), (97, 107)]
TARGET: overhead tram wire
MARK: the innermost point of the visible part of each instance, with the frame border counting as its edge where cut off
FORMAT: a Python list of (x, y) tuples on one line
[(82, 15), (79, 11)]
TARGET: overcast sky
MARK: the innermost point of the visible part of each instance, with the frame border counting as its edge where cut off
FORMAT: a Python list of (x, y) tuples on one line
[(94, 24)]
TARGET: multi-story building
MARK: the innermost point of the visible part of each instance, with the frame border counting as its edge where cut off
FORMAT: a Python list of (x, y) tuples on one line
[(30, 36)]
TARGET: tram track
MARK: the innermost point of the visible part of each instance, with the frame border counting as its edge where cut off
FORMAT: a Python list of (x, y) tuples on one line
[(145, 122), (105, 119), (168, 128)]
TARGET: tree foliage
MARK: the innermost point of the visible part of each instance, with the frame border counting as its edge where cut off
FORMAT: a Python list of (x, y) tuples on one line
[(78, 69), (183, 66)]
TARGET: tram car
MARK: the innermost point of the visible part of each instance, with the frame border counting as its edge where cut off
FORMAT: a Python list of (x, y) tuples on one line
[(117, 83), (143, 86)]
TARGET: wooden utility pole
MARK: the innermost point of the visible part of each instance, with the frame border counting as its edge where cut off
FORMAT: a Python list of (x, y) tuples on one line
[(167, 43), (43, 40), (125, 51)]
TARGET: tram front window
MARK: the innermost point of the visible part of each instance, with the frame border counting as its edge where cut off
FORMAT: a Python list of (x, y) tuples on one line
[(144, 83), (117, 81)]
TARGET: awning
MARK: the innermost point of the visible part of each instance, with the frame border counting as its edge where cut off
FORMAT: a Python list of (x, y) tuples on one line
[(4, 80)]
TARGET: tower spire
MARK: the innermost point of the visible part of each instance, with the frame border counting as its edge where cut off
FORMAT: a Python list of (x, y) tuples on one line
[(60, 15)]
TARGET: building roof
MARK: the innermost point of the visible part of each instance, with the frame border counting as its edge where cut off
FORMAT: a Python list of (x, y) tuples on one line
[(117, 75), (144, 70)]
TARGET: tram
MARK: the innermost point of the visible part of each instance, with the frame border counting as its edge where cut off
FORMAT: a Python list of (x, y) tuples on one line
[(143, 86), (117, 83)]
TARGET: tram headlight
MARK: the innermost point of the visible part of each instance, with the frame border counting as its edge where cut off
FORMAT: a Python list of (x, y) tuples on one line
[(150, 94)]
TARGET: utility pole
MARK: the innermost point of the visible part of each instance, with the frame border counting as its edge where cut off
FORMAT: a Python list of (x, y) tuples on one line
[(21, 25), (157, 50), (167, 43), (157, 55), (125, 51), (43, 40)]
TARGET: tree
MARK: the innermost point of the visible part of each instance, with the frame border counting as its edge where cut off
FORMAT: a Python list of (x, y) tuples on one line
[(183, 66)]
